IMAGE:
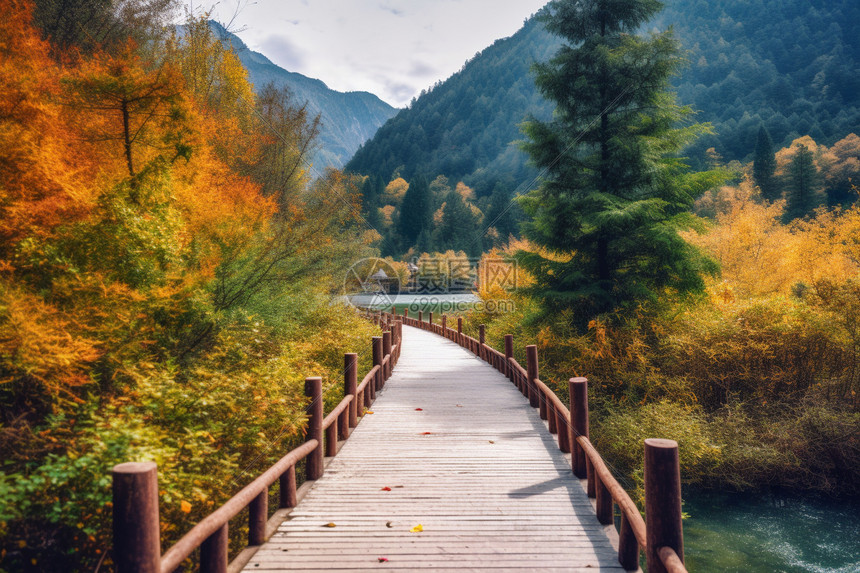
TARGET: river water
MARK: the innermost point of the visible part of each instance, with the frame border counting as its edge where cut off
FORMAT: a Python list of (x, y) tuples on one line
[(771, 533)]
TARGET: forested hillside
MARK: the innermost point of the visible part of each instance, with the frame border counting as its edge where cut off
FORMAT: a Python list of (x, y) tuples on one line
[(791, 65)]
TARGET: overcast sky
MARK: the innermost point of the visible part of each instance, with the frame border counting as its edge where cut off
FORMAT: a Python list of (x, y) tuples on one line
[(392, 48)]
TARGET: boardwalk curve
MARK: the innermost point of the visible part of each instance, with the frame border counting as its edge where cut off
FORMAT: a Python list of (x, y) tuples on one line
[(464, 456)]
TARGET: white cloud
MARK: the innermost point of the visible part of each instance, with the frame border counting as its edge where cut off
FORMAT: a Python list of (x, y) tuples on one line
[(393, 48)]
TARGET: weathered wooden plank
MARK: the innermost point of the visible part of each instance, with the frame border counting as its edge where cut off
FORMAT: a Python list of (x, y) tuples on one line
[(464, 456)]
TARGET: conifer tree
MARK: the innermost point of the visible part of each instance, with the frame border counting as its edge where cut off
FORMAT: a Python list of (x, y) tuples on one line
[(415, 214), (764, 166), (803, 183), (614, 194), (458, 229)]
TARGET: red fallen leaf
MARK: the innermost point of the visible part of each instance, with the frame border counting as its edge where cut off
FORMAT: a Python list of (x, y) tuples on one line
[(426, 433), (386, 488), (383, 559), (419, 409)]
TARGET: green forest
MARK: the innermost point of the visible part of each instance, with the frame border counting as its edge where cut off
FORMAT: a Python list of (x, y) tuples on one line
[(790, 66)]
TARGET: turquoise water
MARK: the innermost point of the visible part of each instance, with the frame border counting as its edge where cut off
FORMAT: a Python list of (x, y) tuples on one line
[(771, 533)]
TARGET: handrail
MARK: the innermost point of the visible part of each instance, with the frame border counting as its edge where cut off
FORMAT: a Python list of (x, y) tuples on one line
[(671, 561), (336, 412), (619, 495), (183, 548), (370, 376), (137, 528), (665, 530)]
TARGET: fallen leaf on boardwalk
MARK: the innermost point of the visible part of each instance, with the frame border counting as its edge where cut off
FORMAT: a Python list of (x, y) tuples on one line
[(492, 442), (386, 488), (388, 524), (368, 411), (417, 528), (383, 559), (330, 525), (185, 506), (459, 405), (419, 409), (426, 433)]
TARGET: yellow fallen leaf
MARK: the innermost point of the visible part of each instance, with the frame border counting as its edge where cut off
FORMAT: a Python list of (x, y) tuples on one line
[(417, 528), (330, 525), (185, 506), (368, 411)]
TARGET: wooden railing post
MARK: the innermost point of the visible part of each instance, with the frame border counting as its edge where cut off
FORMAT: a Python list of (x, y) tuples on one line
[(579, 423), (314, 461), (509, 353), (430, 319), (531, 376), (377, 361), (386, 351), (289, 497), (350, 381), (482, 331), (628, 546), (445, 325), (214, 551), (258, 515), (331, 440), (136, 530), (398, 326), (421, 318), (663, 527), (405, 313), (563, 432), (460, 330)]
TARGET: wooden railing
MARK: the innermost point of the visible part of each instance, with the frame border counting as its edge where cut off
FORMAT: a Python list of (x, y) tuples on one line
[(660, 534), (136, 527)]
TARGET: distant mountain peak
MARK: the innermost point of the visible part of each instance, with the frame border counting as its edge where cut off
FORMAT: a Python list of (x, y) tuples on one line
[(348, 118)]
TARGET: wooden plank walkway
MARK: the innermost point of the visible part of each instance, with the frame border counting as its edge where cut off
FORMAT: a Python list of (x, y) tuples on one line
[(466, 458)]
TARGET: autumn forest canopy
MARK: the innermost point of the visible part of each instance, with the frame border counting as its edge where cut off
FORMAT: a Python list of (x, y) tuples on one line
[(171, 261), (165, 270)]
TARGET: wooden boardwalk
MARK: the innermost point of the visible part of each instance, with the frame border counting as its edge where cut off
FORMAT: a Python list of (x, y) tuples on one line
[(451, 446)]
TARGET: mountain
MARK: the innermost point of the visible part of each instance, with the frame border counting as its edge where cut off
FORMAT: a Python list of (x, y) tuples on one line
[(348, 119), (791, 65)]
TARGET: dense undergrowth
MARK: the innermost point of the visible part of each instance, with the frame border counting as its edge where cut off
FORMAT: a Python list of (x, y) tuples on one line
[(757, 380), (166, 270)]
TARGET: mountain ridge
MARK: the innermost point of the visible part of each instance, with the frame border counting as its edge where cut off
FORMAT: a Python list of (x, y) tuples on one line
[(348, 118)]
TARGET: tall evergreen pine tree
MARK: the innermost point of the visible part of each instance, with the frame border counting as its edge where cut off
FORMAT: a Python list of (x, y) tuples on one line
[(415, 214), (803, 183), (764, 167), (614, 195)]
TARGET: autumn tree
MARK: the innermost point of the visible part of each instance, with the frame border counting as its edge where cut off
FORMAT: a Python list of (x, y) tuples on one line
[(287, 136), (764, 166), (121, 98), (613, 194), (840, 166)]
